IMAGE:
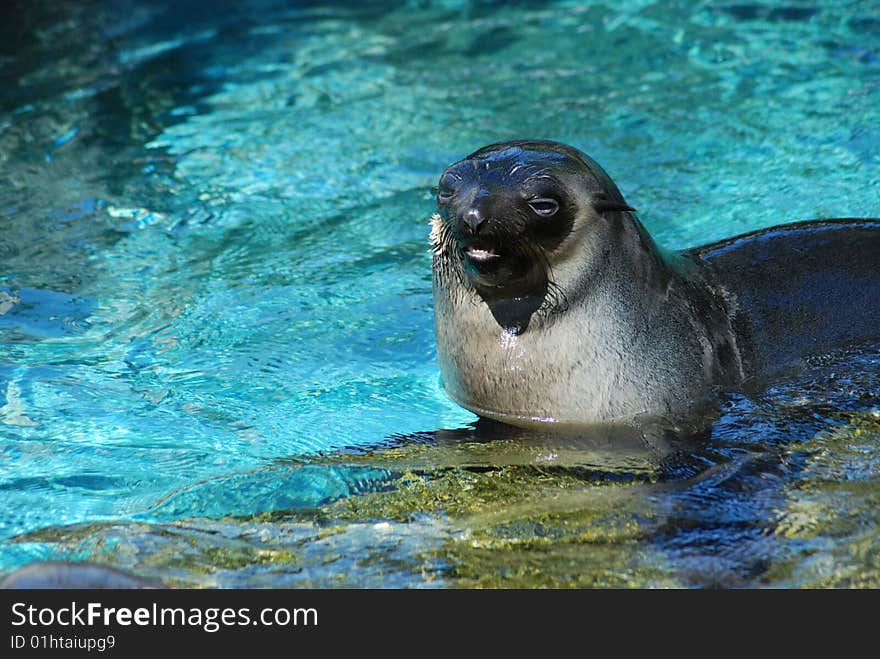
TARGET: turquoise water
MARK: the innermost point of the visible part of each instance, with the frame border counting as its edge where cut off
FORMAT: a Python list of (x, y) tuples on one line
[(216, 322)]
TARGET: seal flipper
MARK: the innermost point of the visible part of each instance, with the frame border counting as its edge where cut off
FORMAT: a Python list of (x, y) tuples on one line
[(806, 288)]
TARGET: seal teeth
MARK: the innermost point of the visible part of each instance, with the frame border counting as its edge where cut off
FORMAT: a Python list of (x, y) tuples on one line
[(481, 254)]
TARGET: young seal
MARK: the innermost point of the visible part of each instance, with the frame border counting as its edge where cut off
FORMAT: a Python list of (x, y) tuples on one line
[(554, 305)]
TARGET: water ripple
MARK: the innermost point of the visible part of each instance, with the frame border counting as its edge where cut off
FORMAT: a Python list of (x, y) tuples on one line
[(215, 294)]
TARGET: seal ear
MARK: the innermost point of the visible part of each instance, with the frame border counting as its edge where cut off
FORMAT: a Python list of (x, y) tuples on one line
[(603, 204), (606, 205)]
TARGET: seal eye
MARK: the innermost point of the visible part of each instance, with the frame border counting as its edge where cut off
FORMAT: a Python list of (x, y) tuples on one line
[(445, 191), (544, 206)]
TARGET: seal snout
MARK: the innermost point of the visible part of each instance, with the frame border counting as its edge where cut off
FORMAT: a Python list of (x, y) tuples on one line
[(477, 238), (477, 243), (474, 219)]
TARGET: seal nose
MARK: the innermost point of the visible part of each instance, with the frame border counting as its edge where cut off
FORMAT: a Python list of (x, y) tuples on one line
[(475, 219)]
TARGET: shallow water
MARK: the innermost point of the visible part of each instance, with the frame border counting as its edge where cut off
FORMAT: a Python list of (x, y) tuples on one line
[(216, 344)]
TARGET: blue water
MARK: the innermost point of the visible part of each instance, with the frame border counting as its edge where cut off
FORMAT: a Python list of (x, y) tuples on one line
[(215, 275)]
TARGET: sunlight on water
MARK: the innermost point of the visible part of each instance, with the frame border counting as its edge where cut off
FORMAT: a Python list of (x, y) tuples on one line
[(216, 329)]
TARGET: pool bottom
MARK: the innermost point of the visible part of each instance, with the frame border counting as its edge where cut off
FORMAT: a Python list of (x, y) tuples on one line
[(742, 522)]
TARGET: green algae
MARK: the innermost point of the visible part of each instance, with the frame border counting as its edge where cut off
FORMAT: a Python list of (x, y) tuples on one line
[(832, 514), (463, 516), (504, 514), (515, 528)]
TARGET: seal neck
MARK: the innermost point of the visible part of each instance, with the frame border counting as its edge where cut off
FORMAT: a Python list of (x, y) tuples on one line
[(651, 265), (624, 264)]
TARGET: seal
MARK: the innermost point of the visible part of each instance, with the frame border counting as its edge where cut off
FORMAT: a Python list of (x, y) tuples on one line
[(553, 304)]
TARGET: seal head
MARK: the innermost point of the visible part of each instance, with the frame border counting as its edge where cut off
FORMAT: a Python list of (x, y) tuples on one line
[(506, 213)]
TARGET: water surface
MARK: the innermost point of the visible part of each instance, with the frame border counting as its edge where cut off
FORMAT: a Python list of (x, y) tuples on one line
[(217, 357)]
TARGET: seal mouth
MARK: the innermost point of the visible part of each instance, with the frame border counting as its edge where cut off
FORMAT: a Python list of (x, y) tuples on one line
[(481, 254)]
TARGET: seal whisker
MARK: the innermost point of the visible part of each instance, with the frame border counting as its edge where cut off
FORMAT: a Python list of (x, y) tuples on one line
[(539, 175), (445, 264)]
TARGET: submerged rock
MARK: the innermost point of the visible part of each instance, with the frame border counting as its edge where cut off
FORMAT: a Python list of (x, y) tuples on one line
[(61, 575)]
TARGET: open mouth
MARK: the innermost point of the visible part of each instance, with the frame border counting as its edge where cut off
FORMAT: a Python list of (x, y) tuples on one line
[(481, 254)]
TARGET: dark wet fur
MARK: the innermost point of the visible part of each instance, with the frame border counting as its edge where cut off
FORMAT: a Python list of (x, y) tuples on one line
[(801, 289)]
